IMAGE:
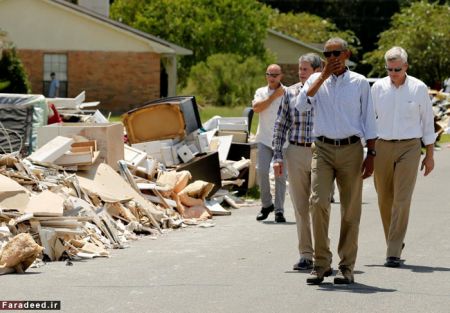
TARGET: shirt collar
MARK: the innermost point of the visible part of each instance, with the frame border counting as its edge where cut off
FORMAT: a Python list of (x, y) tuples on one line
[(343, 76), (401, 86)]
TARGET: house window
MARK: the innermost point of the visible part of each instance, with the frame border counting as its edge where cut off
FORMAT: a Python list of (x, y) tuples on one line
[(55, 63)]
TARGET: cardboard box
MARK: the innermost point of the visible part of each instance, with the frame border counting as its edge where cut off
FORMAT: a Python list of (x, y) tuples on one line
[(109, 137), (238, 136)]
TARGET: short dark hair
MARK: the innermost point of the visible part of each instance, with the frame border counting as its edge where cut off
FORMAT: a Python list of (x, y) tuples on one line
[(52, 74)]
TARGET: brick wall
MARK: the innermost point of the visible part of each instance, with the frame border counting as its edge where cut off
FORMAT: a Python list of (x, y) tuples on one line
[(33, 61), (119, 80)]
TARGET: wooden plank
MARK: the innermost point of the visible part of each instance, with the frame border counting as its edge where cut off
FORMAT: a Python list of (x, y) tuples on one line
[(90, 143), (52, 150), (74, 158), (86, 149)]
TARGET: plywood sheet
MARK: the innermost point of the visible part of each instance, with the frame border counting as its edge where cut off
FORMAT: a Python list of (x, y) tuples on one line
[(46, 203)]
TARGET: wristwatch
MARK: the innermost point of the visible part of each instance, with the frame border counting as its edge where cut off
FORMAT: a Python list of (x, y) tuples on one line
[(371, 152)]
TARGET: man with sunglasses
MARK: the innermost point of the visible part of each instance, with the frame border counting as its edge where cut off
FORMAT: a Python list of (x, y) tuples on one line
[(297, 128), (266, 102), (343, 116), (404, 118)]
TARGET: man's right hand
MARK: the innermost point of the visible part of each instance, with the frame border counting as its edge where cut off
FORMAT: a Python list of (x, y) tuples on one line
[(331, 66), (279, 92), (278, 169)]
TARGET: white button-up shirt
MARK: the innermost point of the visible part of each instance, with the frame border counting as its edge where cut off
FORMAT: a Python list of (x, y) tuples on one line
[(342, 106), (264, 133), (405, 112)]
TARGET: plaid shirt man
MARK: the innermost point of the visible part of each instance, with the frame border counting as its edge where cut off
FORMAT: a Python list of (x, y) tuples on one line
[(289, 119)]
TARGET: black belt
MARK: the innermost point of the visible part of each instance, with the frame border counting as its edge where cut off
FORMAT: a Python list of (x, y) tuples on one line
[(339, 142), (302, 144), (397, 140)]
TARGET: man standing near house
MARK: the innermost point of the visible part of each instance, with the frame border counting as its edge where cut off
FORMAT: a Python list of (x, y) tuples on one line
[(343, 115), (266, 102), (297, 128), (53, 91), (404, 118)]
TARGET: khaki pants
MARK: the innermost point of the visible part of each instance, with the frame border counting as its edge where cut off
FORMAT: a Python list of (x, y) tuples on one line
[(298, 163), (395, 176), (342, 163)]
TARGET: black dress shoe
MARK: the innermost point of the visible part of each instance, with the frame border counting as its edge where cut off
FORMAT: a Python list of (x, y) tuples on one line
[(303, 265), (279, 218), (264, 213), (392, 261)]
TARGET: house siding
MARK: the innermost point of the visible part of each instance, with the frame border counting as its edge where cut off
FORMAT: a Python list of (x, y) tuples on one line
[(119, 80)]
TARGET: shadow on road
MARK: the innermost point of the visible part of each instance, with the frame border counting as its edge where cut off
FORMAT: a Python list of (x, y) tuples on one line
[(274, 223), (353, 288), (416, 268)]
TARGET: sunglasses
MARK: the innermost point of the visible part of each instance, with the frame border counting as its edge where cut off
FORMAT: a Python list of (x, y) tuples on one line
[(274, 75), (395, 69), (328, 54)]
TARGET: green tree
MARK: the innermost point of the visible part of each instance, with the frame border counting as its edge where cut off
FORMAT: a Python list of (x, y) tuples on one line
[(226, 79), (204, 26), (13, 77), (423, 30), (310, 28)]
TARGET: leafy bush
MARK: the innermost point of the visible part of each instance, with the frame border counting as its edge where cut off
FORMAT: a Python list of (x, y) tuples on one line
[(226, 79), (13, 78), (204, 26), (422, 29), (300, 26)]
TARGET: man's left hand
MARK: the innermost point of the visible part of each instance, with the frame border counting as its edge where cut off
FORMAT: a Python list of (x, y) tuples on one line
[(367, 167), (428, 164)]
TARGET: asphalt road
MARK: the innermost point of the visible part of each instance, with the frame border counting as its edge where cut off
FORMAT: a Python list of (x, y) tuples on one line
[(241, 265)]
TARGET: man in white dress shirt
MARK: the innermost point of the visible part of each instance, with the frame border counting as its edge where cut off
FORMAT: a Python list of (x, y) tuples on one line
[(404, 118), (266, 102), (343, 115)]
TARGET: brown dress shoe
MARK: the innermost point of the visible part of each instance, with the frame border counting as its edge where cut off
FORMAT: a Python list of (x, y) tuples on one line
[(317, 275), (344, 276)]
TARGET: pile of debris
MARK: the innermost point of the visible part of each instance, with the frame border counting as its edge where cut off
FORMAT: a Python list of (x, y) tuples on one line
[(83, 191), (441, 109)]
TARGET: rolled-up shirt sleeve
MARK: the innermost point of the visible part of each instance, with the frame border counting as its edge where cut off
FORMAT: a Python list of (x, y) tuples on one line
[(426, 116), (258, 96), (304, 103), (282, 125), (368, 112)]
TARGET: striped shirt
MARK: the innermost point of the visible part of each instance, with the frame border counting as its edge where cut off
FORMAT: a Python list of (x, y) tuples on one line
[(290, 120)]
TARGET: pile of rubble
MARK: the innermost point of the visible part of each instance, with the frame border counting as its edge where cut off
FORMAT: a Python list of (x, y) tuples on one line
[(83, 214), (83, 192)]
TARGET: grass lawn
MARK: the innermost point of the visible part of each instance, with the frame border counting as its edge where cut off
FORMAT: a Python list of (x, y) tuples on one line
[(445, 138)]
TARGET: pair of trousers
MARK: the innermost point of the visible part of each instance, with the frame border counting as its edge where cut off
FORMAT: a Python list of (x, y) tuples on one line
[(342, 163), (396, 166), (298, 164), (265, 155)]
